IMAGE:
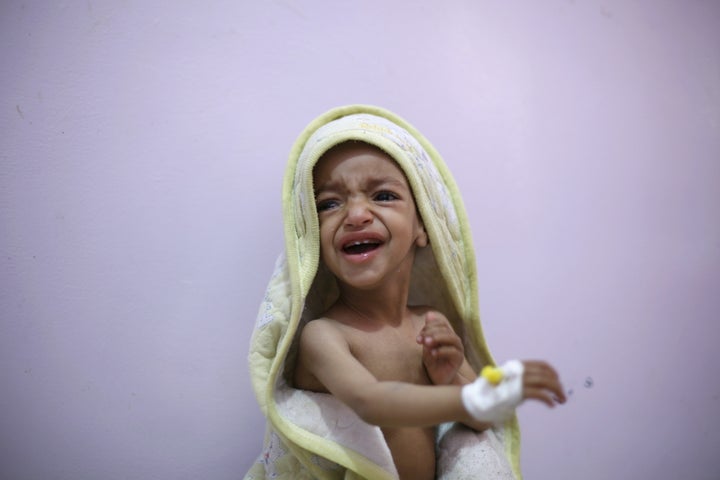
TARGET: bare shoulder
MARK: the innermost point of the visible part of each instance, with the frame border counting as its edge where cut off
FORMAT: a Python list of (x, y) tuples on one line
[(320, 339), (321, 330)]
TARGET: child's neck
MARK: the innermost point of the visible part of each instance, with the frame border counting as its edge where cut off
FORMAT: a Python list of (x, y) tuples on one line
[(386, 306)]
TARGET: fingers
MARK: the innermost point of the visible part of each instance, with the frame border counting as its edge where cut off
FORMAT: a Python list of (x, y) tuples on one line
[(440, 337), (447, 355), (542, 395), (541, 382), (433, 323), (438, 331), (442, 344)]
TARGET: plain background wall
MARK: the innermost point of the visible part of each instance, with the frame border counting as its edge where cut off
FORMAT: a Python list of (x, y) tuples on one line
[(142, 146)]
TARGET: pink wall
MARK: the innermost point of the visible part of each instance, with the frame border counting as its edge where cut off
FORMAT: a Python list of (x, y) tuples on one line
[(142, 146)]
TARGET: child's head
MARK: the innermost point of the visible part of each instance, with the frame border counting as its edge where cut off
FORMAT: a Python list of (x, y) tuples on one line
[(443, 273), (369, 225)]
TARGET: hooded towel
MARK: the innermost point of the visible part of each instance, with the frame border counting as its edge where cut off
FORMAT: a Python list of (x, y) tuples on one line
[(314, 435)]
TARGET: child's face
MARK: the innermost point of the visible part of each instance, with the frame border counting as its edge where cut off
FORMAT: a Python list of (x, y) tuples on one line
[(369, 226)]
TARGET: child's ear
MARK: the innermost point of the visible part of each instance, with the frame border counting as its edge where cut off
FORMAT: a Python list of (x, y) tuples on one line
[(422, 238)]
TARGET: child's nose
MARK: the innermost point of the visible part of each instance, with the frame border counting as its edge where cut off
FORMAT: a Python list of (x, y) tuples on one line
[(358, 213)]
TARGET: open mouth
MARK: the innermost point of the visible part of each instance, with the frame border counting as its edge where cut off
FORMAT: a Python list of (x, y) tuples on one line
[(361, 246)]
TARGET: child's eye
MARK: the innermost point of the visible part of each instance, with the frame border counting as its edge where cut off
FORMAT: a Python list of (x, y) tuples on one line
[(385, 196), (324, 205)]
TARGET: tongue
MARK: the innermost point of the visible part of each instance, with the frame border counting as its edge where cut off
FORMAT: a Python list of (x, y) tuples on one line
[(360, 249)]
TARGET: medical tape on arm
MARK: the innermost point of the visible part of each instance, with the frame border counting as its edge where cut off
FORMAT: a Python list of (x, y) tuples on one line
[(495, 394)]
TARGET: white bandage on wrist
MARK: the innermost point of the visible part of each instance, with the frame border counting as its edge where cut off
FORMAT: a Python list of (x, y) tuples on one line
[(486, 402)]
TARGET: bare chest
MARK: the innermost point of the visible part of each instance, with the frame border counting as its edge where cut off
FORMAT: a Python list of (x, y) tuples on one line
[(390, 355)]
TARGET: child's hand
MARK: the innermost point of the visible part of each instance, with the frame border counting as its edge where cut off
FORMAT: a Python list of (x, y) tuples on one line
[(541, 382), (443, 352), (494, 396)]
